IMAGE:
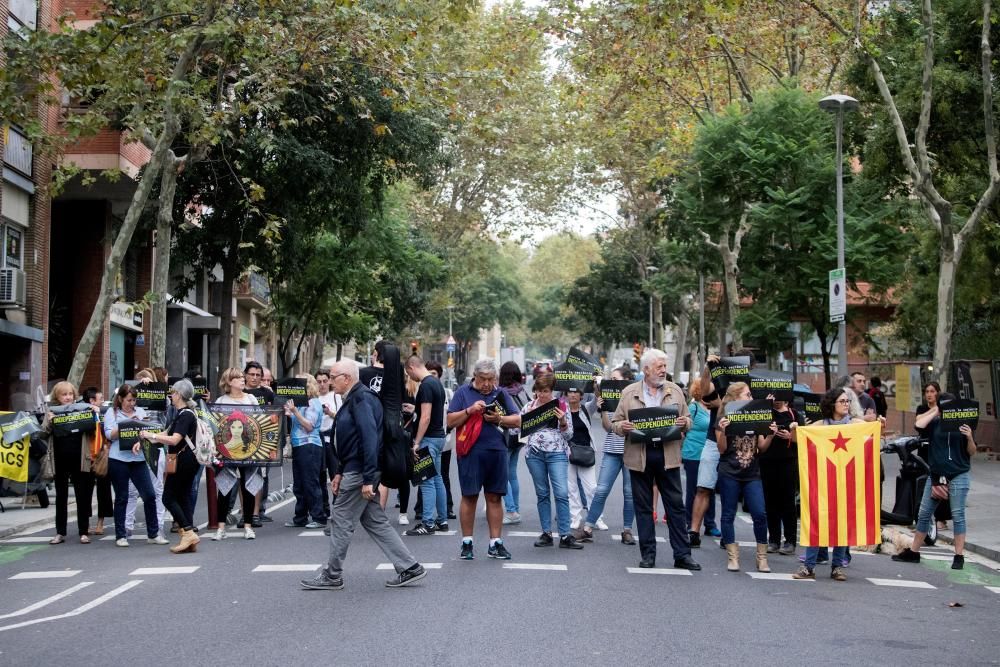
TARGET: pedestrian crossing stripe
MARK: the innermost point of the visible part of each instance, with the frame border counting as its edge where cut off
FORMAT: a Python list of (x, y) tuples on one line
[(427, 566), (618, 538), (287, 567), (995, 589), (900, 583), (658, 570), (553, 567), (313, 533), (53, 574), (775, 576), (143, 571), (528, 533), (742, 544)]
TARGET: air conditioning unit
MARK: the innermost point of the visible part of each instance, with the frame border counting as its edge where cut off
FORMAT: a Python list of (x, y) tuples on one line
[(12, 287)]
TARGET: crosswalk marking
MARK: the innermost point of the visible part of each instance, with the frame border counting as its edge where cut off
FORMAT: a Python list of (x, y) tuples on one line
[(900, 583), (427, 566), (79, 610), (774, 576), (185, 569), (535, 566), (528, 533), (47, 601), (52, 574), (742, 544), (287, 567), (658, 570), (995, 589), (618, 538), (312, 533), (924, 556), (32, 539)]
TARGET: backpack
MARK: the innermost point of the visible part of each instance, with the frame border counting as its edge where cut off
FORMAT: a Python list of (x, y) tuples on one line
[(204, 442)]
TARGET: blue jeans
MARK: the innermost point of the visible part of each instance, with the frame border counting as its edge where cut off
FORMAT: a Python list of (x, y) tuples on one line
[(546, 468), (432, 493), (753, 498), (195, 486), (690, 488), (137, 472), (839, 557), (958, 490), (611, 465), (512, 501)]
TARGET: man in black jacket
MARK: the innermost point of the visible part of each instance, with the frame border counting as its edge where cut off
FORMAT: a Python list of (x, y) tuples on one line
[(358, 436)]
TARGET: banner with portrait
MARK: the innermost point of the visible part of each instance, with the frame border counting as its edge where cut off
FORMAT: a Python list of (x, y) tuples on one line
[(247, 435)]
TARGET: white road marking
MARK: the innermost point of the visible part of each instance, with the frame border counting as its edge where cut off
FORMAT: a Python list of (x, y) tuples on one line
[(535, 566), (446, 533), (184, 569), (79, 610), (900, 583), (52, 574), (528, 533), (924, 556), (995, 589), (287, 567), (744, 518), (37, 539), (427, 566), (47, 601), (742, 544), (312, 533), (774, 576), (618, 538), (658, 570)]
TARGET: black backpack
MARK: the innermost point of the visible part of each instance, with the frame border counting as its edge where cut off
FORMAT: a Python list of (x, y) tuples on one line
[(395, 460)]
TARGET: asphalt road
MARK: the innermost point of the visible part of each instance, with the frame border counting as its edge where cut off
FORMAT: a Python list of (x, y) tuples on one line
[(582, 607)]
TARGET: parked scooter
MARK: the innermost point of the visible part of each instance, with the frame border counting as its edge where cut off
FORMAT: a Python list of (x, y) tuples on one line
[(910, 480)]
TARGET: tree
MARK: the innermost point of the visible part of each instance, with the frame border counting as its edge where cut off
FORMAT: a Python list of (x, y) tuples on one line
[(955, 207)]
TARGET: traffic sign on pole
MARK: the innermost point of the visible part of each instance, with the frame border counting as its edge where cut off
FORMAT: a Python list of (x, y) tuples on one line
[(838, 295)]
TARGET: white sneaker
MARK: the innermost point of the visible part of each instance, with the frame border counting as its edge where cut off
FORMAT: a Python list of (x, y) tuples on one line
[(575, 524), (249, 534), (156, 540), (600, 525), (220, 534), (510, 518), (121, 543), (403, 521)]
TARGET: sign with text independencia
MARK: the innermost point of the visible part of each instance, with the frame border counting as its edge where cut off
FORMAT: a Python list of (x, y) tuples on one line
[(544, 416), (291, 388), (611, 393), (570, 376), (73, 418), (749, 417), (654, 425), (764, 383), (958, 412), (728, 370)]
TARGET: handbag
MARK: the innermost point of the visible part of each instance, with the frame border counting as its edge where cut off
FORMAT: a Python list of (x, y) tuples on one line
[(582, 456), (100, 465), (171, 466), (468, 433)]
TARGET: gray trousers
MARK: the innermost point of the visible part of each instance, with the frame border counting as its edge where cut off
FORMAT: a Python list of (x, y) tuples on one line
[(349, 507)]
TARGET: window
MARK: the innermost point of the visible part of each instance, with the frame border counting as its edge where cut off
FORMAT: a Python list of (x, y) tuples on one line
[(23, 14), (13, 239)]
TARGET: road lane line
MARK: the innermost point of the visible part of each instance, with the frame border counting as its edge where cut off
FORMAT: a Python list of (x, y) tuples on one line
[(313, 533), (775, 576), (79, 610), (528, 533), (427, 566), (995, 589), (742, 544), (38, 539), (287, 567), (658, 570), (47, 601), (900, 583), (618, 538), (53, 574), (142, 571), (535, 566)]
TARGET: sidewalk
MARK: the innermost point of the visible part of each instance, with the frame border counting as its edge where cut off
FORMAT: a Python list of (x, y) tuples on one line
[(981, 510)]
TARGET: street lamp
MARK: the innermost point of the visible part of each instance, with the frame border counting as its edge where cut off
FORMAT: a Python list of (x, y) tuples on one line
[(651, 269), (839, 105)]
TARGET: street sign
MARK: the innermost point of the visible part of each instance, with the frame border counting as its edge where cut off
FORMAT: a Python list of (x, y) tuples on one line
[(838, 295), (450, 344)]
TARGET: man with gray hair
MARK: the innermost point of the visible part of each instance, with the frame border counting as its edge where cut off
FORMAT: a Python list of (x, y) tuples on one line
[(655, 462), (482, 405), (358, 434)]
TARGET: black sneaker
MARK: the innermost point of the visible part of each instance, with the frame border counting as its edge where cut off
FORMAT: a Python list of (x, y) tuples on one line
[(441, 527), (323, 582), (772, 547), (466, 551), (266, 519), (407, 576), (569, 542), (421, 529), (499, 551), (694, 539), (255, 522), (544, 540), (451, 515), (907, 556), (958, 562)]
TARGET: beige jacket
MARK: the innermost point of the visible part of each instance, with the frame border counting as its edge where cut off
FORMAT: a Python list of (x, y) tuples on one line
[(635, 452)]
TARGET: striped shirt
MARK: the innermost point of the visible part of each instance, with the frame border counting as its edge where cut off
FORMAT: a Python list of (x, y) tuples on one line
[(614, 443)]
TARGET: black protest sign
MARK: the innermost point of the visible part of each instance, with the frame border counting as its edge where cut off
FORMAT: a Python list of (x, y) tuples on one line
[(611, 393), (764, 383), (749, 417), (810, 405), (570, 377), (150, 396), (129, 429), (423, 468), (541, 417), (728, 370), (655, 424), (16, 426), (958, 412), (73, 418), (200, 385), (291, 389), (151, 452), (581, 359), (262, 395)]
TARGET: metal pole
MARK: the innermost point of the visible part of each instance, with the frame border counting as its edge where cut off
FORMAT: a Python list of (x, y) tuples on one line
[(842, 325), (650, 339), (702, 352)]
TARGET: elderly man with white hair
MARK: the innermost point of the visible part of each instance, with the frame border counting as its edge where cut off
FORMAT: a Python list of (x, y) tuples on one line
[(655, 462), (482, 405)]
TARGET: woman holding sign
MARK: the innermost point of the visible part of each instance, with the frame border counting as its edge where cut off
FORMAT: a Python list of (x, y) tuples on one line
[(231, 383), (127, 466), (739, 474), (68, 455)]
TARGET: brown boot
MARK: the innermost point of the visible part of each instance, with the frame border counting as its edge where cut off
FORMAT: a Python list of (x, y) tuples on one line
[(180, 546), (762, 565), (189, 542), (733, 551)]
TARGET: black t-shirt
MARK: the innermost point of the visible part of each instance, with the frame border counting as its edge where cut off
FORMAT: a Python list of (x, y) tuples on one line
[(263, 395), (781, 448), (371, 377), (186, 424), (431, 391), (581, 427), (867, 403), (739, 461)]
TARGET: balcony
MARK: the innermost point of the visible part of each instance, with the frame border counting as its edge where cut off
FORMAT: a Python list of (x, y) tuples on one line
[(108, 149), (253, 291)]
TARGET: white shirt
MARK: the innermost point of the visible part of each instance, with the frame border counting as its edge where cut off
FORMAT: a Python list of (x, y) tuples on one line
[(333, 401), (654, 399)]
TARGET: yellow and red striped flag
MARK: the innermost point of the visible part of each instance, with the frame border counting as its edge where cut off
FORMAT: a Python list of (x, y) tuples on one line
[(839, 484)]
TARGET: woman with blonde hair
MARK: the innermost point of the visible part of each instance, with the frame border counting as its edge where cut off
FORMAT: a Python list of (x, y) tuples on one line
[(307, 458), (70, 455), (231, 385)]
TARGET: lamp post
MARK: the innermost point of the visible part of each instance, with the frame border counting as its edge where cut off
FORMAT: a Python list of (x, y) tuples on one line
[(651, 269), (839, 105)]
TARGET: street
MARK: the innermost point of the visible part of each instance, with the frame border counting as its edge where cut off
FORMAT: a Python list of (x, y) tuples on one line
[(239, 602)]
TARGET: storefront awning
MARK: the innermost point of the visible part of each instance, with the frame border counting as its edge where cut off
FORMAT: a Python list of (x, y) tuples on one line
[(196, 317)]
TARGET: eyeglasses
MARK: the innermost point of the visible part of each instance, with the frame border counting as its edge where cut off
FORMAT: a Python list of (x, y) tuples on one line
[(255, 374), (843, 401), (337, 375)]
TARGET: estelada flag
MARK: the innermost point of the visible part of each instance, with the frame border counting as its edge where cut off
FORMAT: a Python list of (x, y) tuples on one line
[(839, 484)]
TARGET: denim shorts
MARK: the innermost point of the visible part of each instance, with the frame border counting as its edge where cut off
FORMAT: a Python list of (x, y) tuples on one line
[(708, 469)]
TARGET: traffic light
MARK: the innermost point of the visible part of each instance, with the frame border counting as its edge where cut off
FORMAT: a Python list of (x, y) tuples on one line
[(637, 352), (413, 347)]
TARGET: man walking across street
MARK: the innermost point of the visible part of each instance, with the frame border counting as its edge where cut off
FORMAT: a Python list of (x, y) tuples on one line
[(484, 466), (429, 418), (358, 433)]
